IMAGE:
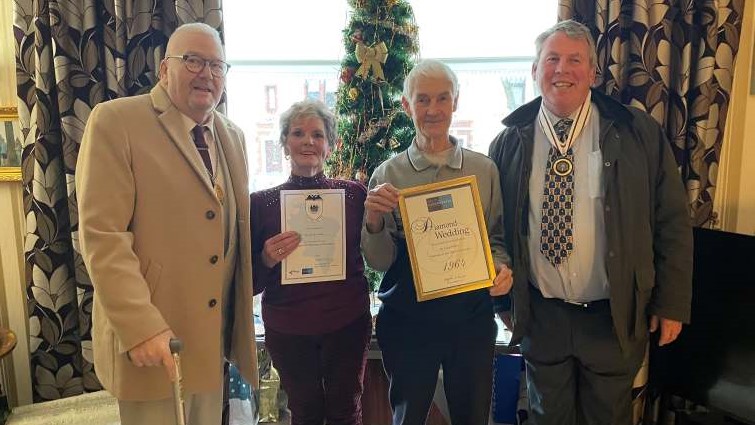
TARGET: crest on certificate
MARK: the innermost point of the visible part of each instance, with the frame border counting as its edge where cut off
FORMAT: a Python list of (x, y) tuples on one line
[(313, 206)]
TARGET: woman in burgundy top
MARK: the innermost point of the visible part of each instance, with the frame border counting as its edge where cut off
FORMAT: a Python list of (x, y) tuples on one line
[(317, 333)]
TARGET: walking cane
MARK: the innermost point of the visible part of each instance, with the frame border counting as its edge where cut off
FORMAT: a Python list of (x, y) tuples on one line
[(178, 398)]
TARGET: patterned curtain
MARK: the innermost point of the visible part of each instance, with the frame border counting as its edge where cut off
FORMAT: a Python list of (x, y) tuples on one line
[(72, 55), (675, 60)]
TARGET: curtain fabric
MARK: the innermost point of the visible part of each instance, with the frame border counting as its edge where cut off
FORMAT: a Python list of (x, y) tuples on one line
[(674, 59), (70, 56)]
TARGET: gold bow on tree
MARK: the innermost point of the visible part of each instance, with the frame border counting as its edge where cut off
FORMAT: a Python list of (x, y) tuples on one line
[(371, 58)]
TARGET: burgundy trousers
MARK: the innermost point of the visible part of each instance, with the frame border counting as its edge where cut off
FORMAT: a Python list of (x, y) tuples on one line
[(323, 374)]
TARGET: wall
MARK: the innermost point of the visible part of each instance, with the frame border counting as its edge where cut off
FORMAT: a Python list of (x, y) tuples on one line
[(746, 201), (15, 368), (735, 198)]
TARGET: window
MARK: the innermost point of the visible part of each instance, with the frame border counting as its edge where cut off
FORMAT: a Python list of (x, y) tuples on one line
[(288, 50), (273, 156), (271, 96)]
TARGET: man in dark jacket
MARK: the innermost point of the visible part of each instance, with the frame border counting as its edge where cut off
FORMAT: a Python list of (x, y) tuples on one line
[(599, 235)]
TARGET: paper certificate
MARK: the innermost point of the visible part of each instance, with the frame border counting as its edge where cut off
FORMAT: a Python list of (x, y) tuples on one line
[(447, 238), (318, 215)]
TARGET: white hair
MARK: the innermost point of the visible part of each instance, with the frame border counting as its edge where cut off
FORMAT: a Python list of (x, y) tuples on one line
[(426, 68), (194, 27)]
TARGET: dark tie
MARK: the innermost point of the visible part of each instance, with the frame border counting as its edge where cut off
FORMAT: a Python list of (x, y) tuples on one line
[(201, 144), (562, 128), (556, 238)]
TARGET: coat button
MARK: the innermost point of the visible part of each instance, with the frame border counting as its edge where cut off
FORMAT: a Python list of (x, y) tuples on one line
[(213, 302), (210, 214), (214, 259), (607, 164)]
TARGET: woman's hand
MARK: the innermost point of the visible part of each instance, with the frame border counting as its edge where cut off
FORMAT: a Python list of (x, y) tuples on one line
[(279, 247), (381, 199), (503, 281)]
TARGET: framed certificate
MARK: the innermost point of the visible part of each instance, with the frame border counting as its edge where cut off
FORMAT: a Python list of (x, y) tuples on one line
[(447, 238), (319, 216)]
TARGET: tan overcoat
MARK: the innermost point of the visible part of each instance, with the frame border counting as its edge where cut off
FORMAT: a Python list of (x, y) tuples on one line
[(150, 226)]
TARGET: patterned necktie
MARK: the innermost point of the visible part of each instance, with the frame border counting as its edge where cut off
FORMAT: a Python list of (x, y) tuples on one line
[(562, 128), (204, 150), (556, 238)]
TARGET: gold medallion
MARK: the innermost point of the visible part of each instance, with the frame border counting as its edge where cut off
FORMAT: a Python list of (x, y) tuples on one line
[(563, 167), (219, 193)]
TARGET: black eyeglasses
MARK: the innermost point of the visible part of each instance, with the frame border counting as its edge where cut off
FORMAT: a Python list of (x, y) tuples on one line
[(196, 64)]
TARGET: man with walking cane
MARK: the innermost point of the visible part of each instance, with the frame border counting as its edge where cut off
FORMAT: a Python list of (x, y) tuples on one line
[(162, 191)]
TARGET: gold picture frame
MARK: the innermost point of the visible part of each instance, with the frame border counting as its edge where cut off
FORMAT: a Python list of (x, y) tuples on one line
[(10, 144), (447, 238)]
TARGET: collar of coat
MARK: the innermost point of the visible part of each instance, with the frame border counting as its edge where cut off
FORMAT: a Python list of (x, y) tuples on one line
[(608, 107), (420, 162), (162, 104)]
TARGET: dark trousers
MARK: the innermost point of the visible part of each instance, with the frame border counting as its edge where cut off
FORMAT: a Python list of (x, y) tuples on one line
[(323, 374), (576, 372), (414, 353)]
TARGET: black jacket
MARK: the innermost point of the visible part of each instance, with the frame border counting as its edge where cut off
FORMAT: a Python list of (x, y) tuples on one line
[(648, 231)]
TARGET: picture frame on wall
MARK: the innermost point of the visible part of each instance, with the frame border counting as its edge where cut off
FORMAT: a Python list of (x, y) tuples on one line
[(10, 145)]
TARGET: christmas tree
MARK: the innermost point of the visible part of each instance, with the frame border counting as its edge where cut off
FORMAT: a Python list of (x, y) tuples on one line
[(381, 47)]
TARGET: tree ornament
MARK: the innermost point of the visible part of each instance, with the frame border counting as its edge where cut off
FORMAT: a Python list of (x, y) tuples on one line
[(356, 36), (410, 29), (361, 175), (353, 94), (373, 127), (347, 74), (382, 102), (371, 59)]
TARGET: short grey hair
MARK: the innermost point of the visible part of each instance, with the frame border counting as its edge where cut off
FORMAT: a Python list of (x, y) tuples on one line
[(308, 108), (430, 68), (572, 29), (195, 27)]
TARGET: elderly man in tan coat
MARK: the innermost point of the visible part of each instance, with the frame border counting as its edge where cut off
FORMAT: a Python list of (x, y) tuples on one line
[(163, 198)]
